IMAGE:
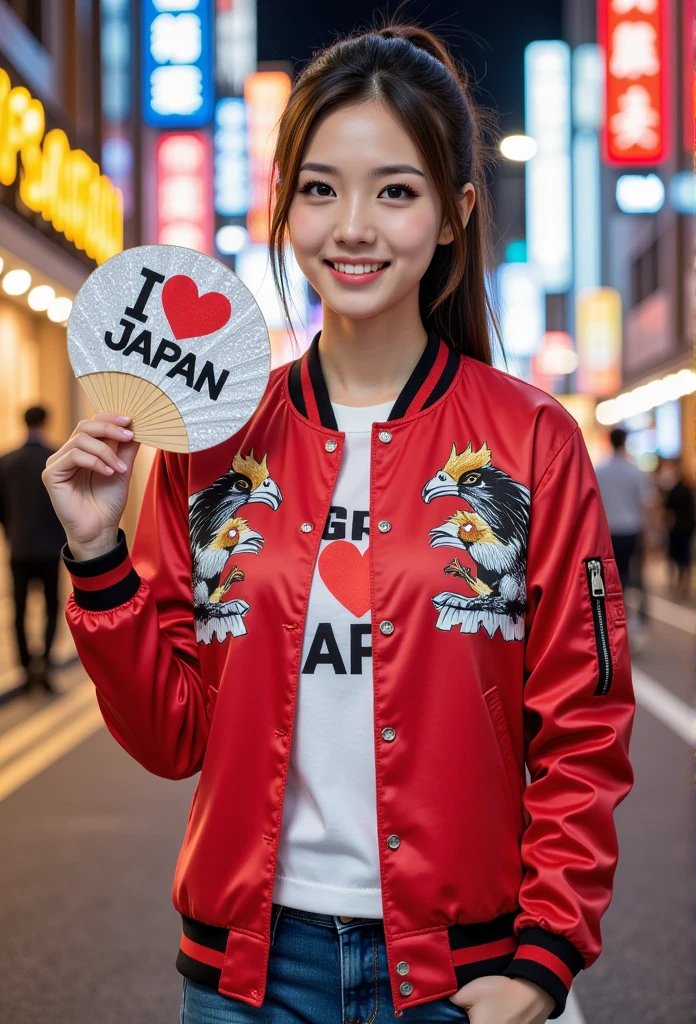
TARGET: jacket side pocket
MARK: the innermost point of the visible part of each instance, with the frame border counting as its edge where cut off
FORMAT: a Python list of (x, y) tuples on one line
[(512, 774)]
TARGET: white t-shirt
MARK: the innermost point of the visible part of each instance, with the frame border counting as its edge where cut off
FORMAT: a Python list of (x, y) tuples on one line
[(328, 857)]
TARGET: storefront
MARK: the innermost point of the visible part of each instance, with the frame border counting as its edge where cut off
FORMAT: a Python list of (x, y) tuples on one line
[(59, 218)]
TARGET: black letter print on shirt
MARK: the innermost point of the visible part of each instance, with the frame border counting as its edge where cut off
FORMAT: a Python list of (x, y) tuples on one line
[(357, 651), (335, 527), (332, 655)]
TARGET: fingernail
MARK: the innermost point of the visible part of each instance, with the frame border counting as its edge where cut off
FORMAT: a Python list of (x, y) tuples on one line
[(126, 433), (123, 419), (121, 464), (108, 469)]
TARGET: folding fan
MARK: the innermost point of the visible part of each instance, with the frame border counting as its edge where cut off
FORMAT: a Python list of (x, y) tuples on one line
[(173, 339)]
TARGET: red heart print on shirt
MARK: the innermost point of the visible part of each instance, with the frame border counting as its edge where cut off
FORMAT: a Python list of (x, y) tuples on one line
[(191, 315), (346, 573)]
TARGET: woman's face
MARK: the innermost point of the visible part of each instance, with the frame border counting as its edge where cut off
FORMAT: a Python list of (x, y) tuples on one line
[(363, 197)]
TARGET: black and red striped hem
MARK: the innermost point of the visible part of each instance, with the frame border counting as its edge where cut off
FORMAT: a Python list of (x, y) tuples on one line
[(104, 582), (490, 947), (550, 961), (202, 952)]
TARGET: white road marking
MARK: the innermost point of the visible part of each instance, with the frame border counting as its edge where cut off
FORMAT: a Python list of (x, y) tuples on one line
[(49, 750), (663, 705), (663, 610), (41, 722)]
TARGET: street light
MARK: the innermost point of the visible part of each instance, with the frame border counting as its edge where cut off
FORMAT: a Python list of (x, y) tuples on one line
[(518, 147), (16, 282), (41, 297), (59, 310)]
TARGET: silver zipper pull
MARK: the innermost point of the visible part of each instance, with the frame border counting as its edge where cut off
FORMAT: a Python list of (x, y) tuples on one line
[(597, 583)]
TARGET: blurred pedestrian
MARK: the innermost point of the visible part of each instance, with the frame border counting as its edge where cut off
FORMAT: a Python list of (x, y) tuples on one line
[(680, 515), (626, 493), (35, 537)]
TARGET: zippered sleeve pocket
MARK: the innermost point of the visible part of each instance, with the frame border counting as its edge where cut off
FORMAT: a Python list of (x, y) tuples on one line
[(606, 603)]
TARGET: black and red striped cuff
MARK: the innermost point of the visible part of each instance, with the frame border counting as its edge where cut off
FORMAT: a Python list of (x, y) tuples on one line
[(551, 961), (104, 582)]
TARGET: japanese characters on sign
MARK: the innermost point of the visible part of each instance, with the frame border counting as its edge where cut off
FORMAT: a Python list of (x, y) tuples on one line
[(634, 36), (177, 64)]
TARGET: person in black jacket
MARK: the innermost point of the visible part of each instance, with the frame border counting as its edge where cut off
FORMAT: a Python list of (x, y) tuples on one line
[(35, 537)]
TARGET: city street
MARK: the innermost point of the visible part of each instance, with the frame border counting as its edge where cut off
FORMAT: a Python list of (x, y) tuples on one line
[(268, 272), (88, 844)]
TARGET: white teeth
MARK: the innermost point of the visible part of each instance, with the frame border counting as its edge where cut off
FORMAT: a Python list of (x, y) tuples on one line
[(357, 268)]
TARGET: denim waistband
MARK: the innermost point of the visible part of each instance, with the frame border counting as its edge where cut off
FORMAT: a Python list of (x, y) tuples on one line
[(328, 920)]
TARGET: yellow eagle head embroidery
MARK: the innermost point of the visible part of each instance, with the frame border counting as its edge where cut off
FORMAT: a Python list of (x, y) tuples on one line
[(457, 465), (249, 466)]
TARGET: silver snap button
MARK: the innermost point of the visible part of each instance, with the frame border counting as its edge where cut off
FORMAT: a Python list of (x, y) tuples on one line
[(402, 967), (386, 627), (393, 842), (405, 988), (384, 436), (388, 734), (307, 527), (384, 526), (331, 445)]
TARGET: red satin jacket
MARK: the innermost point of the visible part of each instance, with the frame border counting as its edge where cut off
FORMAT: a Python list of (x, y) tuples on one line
[(499, 640)]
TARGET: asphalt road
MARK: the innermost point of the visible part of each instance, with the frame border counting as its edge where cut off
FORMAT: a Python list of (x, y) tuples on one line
[(88, 847)]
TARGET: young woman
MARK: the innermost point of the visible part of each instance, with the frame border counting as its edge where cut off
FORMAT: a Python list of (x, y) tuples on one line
[(433, 604)]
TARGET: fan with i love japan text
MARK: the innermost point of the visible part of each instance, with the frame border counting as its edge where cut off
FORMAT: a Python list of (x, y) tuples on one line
[(173, 339)]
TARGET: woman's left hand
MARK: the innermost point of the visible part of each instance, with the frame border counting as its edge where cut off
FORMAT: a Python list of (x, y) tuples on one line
[(495, 999)]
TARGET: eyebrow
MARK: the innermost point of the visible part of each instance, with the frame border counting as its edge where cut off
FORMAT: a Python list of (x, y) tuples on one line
[(376, 172)]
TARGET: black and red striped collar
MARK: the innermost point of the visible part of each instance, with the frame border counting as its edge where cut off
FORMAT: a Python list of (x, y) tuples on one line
[(430, 378)]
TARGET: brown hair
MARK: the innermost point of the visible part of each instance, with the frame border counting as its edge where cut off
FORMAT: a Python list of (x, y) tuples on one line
[(413, 72)]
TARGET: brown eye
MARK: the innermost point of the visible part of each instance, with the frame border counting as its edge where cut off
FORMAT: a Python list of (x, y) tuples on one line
[(243, 484)]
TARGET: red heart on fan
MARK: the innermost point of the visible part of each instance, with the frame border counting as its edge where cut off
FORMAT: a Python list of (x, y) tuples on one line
[(191, 315)]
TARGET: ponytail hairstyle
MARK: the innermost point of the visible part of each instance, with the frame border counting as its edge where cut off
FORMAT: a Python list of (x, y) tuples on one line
[(410, 70)]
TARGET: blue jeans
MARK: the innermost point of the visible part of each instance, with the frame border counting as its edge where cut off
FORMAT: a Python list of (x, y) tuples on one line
[(320, 971)]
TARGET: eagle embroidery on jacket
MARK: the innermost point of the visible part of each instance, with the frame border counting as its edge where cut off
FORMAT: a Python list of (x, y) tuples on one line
[(494, 535), (218, 535)]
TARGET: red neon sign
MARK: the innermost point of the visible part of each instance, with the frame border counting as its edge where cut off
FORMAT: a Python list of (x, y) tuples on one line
[(184, 162), (634, 37), (689, 71)]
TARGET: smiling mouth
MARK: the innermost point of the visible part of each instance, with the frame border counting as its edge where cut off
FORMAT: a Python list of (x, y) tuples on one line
[(357, 268)]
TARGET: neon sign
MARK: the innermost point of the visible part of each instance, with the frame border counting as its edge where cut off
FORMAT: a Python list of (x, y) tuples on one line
[(266, 93), (63, 184), (184, 173), (634, 36), (232, 197), (177, 67)]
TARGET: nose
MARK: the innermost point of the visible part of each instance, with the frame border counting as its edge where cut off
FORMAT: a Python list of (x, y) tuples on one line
[(353, 224)]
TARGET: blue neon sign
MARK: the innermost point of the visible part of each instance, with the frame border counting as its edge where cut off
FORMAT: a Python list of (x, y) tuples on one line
[(232, 187), (177, 66)]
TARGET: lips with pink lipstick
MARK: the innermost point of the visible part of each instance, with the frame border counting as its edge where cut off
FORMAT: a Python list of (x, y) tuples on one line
[(356, 271)]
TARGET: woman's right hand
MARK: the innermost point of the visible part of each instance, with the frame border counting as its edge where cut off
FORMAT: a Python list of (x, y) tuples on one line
[(88, 479)]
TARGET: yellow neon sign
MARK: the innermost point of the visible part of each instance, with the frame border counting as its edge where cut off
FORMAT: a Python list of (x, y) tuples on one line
[(64, 185)]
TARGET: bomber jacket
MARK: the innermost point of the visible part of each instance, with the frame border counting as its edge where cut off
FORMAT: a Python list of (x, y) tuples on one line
[(499, 642)]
